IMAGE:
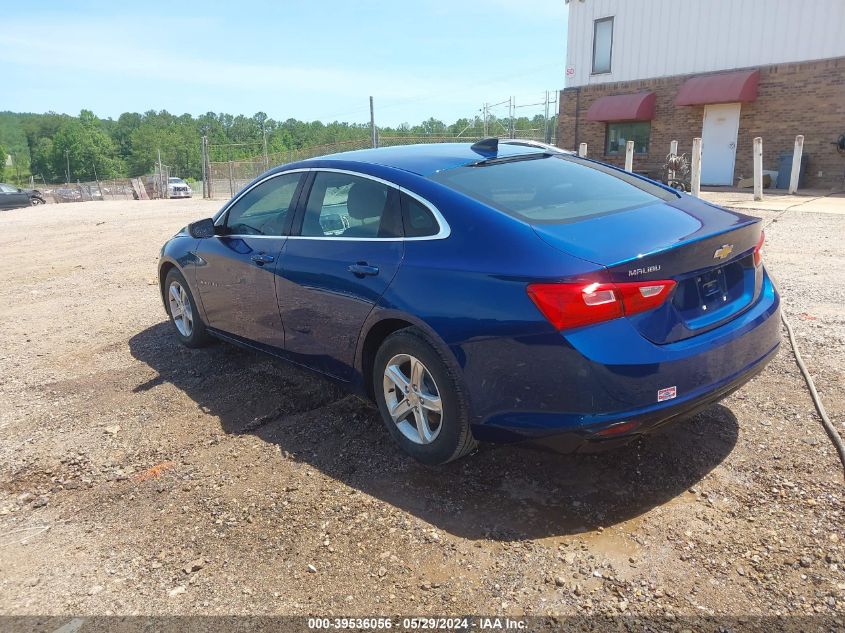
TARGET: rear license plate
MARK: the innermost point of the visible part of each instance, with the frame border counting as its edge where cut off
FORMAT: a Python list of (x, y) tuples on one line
[(712, 285)]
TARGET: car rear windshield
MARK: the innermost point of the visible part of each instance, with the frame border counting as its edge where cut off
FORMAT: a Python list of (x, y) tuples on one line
[(547, 189)]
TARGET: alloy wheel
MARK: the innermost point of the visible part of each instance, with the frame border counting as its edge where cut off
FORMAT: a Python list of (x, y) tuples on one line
[(180, 309), (413, 399)]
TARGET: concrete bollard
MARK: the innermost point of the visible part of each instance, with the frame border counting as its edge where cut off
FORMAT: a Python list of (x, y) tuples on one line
[(582, 150), (695, 176), (673, 150), (629, 156), (796, 164), (758, 168)]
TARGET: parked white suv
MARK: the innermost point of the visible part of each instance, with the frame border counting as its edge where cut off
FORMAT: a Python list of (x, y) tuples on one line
[(178, 188)]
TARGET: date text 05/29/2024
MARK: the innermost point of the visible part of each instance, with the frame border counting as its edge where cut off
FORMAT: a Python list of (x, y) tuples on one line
[(418, 624)]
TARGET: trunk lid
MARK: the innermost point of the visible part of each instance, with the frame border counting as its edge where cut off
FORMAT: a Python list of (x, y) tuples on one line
[(706, 250)]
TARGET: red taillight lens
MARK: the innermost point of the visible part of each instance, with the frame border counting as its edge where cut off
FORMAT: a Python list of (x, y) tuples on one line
[(643, 296), (758, 255), (573, 305), (569, 306)]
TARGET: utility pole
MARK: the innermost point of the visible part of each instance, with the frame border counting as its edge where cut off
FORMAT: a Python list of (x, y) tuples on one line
[(67, 173), (231, 172), (373, 132), (97, 180), (512, 108), (203, 150), (162, 187), (486, 127), (264, 141), (546, 120)]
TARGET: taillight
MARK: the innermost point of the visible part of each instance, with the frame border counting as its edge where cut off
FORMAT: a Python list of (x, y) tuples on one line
[(758, 255), (644, 296), (569, 305)]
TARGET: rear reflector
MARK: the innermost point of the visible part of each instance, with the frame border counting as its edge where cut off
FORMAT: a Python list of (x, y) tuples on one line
[(758, 255), (569, 305), (618, 429)]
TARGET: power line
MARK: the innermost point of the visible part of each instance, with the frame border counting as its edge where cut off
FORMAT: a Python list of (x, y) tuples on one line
[(468, 87)]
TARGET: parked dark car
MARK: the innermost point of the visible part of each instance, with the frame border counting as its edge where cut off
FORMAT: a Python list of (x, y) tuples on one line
[(493, 292), (12, 197)]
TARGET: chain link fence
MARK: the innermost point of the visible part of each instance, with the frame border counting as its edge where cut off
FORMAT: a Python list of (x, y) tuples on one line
[(115, 189), (148, 187), (225, 178)]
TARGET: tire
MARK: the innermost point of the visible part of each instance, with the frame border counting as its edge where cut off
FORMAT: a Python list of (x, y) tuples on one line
[(35, 201), (441, 437), (191, 331)]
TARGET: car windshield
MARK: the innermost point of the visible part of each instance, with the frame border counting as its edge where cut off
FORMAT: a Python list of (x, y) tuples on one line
[(546, 189), (175, 181)]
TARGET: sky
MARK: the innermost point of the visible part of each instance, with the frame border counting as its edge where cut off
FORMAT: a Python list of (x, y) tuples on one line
[(311, 60)]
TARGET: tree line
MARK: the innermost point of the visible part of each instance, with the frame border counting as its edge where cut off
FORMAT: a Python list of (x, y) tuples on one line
[(58, 147)]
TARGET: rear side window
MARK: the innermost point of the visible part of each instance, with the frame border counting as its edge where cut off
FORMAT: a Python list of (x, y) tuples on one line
[(417, 218), (552, 189), (343, 205)]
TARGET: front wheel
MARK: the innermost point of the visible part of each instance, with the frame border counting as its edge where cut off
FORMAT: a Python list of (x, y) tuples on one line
[(182, 310), (35, 200), (421, 399)]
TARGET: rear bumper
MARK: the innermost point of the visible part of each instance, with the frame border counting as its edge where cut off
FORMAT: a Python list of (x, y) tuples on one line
[(588, 439), (564, 390)]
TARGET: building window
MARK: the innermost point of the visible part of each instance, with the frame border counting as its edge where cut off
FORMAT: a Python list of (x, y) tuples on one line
[(618, 134), (602, 45)]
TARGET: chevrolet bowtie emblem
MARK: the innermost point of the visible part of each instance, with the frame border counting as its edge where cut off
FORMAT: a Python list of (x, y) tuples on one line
[(724, 251)]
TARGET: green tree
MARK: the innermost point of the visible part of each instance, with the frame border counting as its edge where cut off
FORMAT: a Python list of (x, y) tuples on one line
[(129, 145), (177, 138), (83, 146)]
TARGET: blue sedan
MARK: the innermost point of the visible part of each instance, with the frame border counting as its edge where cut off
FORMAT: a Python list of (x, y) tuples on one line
[(501, 291)]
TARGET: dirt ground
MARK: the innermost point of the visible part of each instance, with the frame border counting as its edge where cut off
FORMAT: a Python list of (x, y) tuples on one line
[(140, 477)]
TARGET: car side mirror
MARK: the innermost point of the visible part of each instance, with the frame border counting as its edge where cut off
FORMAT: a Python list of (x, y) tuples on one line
[(202, 229)]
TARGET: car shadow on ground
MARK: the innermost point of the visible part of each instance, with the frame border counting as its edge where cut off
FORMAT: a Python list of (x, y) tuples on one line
[(501, 492)]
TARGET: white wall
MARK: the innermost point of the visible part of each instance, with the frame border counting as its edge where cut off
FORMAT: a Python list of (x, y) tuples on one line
[(659, 38)]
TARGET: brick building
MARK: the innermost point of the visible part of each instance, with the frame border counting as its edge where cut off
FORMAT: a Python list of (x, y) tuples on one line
[(656, 70)]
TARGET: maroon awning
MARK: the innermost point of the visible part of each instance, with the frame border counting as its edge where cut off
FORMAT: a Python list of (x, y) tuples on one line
[(722, 88), (636, 107)]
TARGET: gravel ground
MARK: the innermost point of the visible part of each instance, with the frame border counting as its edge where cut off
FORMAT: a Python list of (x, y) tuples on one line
[(137, 476)]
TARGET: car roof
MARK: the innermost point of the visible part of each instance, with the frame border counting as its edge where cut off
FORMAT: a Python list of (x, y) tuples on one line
[(426, 159)]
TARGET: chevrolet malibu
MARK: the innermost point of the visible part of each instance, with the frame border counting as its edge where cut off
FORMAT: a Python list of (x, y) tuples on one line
[(501, 291)]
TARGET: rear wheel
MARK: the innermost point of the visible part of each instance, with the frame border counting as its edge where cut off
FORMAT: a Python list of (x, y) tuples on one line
[(183, 312), (421, 399)]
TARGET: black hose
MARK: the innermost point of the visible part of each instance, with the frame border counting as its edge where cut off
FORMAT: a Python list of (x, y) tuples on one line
[(828, 425)]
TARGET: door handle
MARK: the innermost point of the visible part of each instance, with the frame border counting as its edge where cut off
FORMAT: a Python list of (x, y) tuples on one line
[(363, 269), (262, 259)]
